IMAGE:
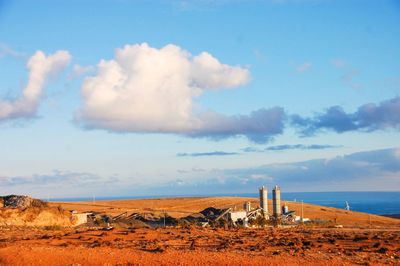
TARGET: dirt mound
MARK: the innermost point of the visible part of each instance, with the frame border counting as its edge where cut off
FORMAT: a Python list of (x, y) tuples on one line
[(138, 224), (155, 221), (196, 217), (208, 212), (26, 211), (17, 201), (35, 216)]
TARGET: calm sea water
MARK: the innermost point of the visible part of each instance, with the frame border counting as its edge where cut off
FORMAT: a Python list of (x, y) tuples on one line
[(369, 202)]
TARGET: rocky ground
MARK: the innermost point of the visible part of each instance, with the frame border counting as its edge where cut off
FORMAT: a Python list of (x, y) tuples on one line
[(199, 246)]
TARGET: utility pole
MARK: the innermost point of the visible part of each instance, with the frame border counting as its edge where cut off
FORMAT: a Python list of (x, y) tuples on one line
[(369, 216), (164, 218)]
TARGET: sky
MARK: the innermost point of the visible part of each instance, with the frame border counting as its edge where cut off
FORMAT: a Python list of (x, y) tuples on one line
[(138, 98)]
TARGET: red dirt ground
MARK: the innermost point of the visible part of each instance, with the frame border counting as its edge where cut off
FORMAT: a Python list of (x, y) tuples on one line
[(200, 246)]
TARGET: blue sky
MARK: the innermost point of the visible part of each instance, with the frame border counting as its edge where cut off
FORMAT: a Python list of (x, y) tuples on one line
[(194, 97)]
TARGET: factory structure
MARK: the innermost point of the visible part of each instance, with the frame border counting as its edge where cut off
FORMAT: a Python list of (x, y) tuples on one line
[(279, 214), (260, 215)]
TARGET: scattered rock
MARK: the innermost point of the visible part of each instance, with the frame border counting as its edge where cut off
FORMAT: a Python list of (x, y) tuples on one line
[(382, 250), (360, 238), (331, 240), (95, 244), (22, 202), (376, 245)]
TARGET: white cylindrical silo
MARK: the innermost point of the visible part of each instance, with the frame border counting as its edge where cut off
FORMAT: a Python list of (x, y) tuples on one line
[(247, 206), (276, 201), (264, 199)]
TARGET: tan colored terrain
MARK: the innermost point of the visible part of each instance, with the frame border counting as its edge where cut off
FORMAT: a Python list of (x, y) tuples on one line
[(366, 240), (180, 207), (35, 216)]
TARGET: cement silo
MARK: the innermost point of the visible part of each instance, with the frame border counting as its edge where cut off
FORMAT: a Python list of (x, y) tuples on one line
[(276, 201), (247, 206), (264, 199)]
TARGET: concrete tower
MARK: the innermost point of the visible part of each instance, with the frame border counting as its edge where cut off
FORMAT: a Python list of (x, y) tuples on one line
[(276, 201), (247, 206), (264, 199)]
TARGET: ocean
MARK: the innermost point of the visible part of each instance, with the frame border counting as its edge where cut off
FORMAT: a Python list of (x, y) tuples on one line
[(381, 203)]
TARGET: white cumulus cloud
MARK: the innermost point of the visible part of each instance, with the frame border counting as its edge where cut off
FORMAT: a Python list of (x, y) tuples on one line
[(145, 89), (41, 68)]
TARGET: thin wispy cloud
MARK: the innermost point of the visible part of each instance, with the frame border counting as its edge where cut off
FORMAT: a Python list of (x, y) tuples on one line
[(338, 63), (350, 74), (202, 154), (6, 50), (254, 149), (348, 78), (304, 67), (300, 147), (259, 55), (290, 147), (251, 149), (61, 183), (371, 170), (55, 178)]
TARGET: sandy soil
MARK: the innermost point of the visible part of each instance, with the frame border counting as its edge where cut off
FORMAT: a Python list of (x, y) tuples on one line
[(35, 216), (361, 242)]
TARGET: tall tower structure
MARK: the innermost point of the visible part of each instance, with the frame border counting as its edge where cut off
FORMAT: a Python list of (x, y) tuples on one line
[(264, 199), (276, 201), (247, 206)]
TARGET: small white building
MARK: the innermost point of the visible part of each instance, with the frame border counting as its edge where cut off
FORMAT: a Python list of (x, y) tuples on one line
[(235, 216), (80, 218)]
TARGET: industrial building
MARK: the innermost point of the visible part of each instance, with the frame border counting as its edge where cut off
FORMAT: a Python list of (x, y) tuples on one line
[(279, 214), (257, 216)]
